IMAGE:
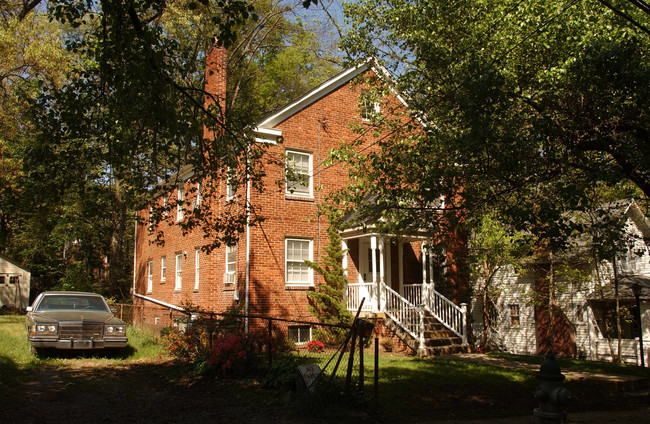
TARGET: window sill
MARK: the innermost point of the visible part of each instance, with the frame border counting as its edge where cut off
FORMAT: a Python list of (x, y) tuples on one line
[(302, 287), (295, 197)]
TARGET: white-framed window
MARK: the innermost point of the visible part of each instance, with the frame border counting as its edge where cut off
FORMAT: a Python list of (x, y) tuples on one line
[(369, 107), (2, 280), (179, 271), (179, 203), (150, 218), (231, 184), (163, 268), (231, 265), (14, 279), (299, 173), (164, 205), (197, 202), (149, 276), (297, 271), (299, 334), (514, 315), (197, 267)]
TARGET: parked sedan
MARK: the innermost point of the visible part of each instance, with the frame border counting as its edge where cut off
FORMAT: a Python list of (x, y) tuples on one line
[(73, 320)]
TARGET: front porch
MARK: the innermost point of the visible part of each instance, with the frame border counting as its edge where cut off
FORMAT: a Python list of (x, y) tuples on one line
[(398, 277)]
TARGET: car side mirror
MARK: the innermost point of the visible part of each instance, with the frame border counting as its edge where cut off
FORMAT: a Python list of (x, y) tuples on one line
[(114, 311), (29, 309)]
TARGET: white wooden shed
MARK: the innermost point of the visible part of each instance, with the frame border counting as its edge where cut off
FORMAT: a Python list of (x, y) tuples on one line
[(14, 284)]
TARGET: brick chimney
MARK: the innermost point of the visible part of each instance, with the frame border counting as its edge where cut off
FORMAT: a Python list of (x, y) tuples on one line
[(216, 62)]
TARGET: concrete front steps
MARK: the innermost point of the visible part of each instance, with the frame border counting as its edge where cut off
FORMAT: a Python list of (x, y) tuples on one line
[(438, 340)]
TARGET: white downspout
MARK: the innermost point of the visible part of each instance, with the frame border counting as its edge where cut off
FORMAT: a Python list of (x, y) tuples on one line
[(248, 249)]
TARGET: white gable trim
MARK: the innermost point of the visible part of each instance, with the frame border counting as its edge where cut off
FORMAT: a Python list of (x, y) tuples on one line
[(267, 135), (314, 95)]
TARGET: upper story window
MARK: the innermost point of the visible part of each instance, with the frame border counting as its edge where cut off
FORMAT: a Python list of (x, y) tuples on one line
[(179, 203), (297, 271), (197, 267), (164, 205), (369, 107), (197, 202), (231, 265), (299, 173), (231, 184), (163, 268)]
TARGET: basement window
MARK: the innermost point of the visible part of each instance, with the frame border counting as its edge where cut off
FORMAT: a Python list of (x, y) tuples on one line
[(299, 334)]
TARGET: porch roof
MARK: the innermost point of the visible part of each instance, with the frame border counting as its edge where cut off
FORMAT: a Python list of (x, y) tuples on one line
[(369, 231), (357, 226), (625, 288)]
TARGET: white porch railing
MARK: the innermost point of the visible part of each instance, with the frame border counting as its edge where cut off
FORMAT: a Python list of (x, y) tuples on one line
[(447, 312), (358, 291), (404, 313), (413, 293)]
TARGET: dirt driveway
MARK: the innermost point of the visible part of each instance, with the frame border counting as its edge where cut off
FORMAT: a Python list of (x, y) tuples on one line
[(153, 391)]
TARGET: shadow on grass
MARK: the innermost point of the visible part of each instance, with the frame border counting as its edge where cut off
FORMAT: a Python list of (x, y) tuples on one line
[(106, 353), (448, 389)]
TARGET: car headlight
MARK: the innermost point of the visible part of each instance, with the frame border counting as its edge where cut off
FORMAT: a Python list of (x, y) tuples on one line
[(45, 329), (115, 330)]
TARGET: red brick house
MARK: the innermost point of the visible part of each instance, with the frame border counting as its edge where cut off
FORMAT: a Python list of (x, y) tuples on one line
[(264, 273)]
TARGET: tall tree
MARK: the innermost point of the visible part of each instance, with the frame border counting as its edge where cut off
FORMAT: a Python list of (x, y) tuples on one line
[(525, 106), (130, 114)]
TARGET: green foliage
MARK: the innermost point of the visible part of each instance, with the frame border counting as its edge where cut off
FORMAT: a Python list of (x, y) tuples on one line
[(526, 106), (100, 103), (327, 302), (494, 247)]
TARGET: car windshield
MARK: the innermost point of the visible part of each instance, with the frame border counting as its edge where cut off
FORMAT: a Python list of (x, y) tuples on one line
[(72, 302)]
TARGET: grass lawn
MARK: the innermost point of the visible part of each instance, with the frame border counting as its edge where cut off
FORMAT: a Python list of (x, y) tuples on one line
[(16, 362), (410, 389)]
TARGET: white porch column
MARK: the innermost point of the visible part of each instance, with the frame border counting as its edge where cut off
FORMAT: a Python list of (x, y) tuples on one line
[(382, 273), (400, 259), (423, 260), (432, 281), (426, 263), (344, 260)]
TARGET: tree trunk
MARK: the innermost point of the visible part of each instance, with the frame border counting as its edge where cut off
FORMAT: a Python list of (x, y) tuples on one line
[(115, 266)]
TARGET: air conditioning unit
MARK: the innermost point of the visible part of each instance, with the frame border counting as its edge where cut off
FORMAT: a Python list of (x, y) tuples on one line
[(229, 278)]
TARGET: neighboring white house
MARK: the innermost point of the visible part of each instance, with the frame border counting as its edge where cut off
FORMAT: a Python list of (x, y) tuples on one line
[(14, 284), (587, 308)]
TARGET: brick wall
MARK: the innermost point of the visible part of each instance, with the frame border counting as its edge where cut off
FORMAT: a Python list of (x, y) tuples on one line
[(316, 129)]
